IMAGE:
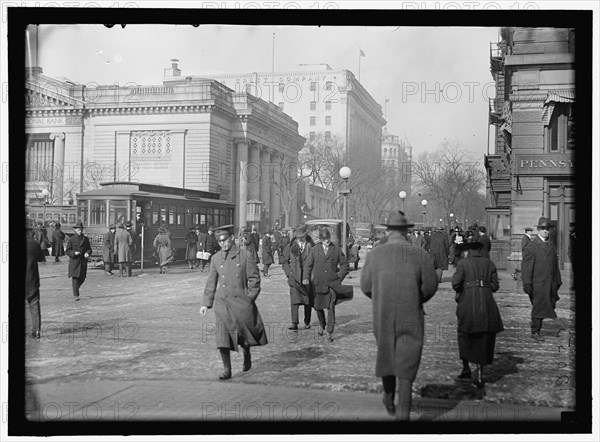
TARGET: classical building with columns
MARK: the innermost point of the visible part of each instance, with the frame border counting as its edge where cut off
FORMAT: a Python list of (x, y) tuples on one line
[(194, 134)]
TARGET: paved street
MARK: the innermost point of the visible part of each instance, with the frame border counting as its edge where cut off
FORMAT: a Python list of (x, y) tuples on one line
[(136, 349)]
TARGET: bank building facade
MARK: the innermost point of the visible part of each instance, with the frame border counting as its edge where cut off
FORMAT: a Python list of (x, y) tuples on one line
[(193, 134)]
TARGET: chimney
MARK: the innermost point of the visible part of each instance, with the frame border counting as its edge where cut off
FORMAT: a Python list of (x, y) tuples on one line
[(174, 71)]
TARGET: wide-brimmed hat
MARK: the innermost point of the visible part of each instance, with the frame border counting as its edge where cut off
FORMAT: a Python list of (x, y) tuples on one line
[(112, 226), (128, 224), (482, 229), (223, 232), (544, 222), (79, 225), (57, 225), (300, 232), (469, 244), (397, 218)]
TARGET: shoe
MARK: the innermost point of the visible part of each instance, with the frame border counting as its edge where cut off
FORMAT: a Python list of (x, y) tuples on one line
[(537, 337), (108, 273), (76, 298), (478, 380), (293, 327), (36, 335), (321, 330), (465, 374), (247, 360), (330, 336), (307, 326), (388, 401), (226, 375)]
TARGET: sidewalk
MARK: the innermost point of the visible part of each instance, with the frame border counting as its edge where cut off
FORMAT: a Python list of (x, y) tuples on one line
[(233, 401)]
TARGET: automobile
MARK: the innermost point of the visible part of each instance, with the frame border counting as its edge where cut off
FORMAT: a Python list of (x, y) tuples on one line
[(363, 232)]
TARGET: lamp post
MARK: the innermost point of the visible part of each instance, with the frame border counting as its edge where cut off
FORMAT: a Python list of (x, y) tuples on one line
[(441, 223), (452, 220), (304, 219), (402, 195), (45, 194), (424, 204), (345, 173)]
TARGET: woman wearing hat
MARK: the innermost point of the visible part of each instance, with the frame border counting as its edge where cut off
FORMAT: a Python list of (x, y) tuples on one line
[(79, 250), (232, 288), (58, 238), (294, 263), (162, 249), (478, 316)]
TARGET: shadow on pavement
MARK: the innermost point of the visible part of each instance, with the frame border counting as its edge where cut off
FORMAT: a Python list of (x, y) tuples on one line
[(292, 358), (504, 363)]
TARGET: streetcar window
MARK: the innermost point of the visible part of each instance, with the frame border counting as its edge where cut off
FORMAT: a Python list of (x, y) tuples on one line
[(65, 219), (164, 213), (98, 213), (155, 218), (196, 215), (188, 217), (82, 211), (117, 212), (72, 218), (56, 217), (172, 211), (180, 213)]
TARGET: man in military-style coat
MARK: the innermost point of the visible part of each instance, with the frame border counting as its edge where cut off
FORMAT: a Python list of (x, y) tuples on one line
[(231, 289), (399, 277), (541, 277), (78, 250), (294, 267)]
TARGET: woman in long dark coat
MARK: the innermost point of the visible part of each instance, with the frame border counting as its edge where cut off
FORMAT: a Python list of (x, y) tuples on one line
[(478, 316), (58, 238), (191, 247), (162, 249), (267, 253)]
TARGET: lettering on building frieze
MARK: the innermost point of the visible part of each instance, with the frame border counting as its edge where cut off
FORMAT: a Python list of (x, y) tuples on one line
[(545, 164)]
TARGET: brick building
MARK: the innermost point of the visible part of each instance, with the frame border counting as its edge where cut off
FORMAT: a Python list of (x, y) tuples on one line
[(531, 169)]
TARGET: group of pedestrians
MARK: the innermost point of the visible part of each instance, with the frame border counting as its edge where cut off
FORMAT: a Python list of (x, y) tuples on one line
[(119, 247)]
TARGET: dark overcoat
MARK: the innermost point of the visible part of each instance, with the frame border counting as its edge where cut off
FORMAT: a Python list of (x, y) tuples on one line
[(108, 248), (487, 245), (540, 269), (326, 271), (78, 263), (162, 248), (248, 245), (282, 243), (439, 248), (58, 247), (399, 277), (212, 245), (294, 267), (232, 288), (32, 273), (191, 247), (524, 243), (477, 310), (135, 246), (201, 244), (123, 243), (267, 250)]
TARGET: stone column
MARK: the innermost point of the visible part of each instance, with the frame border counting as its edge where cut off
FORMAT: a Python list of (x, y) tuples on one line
[(265, 186), (253, 172), (242, 165), (274, 179), (58, 166)]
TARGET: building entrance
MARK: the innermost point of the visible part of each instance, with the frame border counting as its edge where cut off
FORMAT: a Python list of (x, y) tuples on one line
[(562, 214)]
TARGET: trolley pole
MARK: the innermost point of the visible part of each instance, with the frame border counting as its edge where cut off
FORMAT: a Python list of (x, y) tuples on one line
[(142, 251)]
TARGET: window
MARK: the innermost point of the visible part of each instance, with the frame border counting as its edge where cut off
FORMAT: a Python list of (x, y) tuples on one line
[(313, 105), (327, 121), (313, 121), (328, 105), (180, 212), (328, 135), (172, 211), (561, 129), (313, 136), (82, 211), (188, 217), (40, 157), (117, 212), (98, 213)]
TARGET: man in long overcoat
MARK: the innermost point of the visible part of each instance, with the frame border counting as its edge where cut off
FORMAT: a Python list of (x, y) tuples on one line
[(135, 238), (294, 267), (541, 277), (399, 277), (58, 239), (526, 239), (232, 288), (327, 267), (485, 240), (282, 243), (439, 247), (191, 247), (79, 250), (108, 250), (123, 243), (32, 282)]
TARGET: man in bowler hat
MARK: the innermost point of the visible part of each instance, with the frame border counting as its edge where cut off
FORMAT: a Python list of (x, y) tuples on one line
[(541, 277), (399, 277), (232, 288), (78, 250)]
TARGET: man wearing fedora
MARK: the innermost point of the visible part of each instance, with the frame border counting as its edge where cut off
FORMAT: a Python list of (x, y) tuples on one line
[(78, 250), (294, 267), (108, 250), (541, 277), (485, 240), (232, 288), (123, 244), (399, 277)]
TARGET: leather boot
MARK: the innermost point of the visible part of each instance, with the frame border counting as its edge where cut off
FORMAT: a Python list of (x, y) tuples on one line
[(247, 359), (226, 357), (478, 381), (128, 268)]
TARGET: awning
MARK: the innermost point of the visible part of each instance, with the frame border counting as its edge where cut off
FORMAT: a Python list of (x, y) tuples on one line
[(556, 96)]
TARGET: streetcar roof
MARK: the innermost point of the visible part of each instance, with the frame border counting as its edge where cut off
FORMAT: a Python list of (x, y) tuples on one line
[(116, 192)]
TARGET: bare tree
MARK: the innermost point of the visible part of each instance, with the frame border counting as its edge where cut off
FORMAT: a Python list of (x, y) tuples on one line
[(289, 173), (449, 177), (322, 159)]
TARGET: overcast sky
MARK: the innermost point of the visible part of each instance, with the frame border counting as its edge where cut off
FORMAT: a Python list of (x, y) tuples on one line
[(437, 79)]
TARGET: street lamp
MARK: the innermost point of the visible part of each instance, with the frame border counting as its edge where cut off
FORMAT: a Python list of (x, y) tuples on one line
[(441, 222), (452, 220), (402, 195), (345, 173), (45, 194), (304, 219), (424, 204)]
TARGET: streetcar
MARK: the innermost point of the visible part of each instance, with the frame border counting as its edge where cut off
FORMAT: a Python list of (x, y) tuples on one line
[(64, 214), (148, 206)]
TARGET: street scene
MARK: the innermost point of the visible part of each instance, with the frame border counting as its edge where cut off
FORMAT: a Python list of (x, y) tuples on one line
[(301, 224)]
